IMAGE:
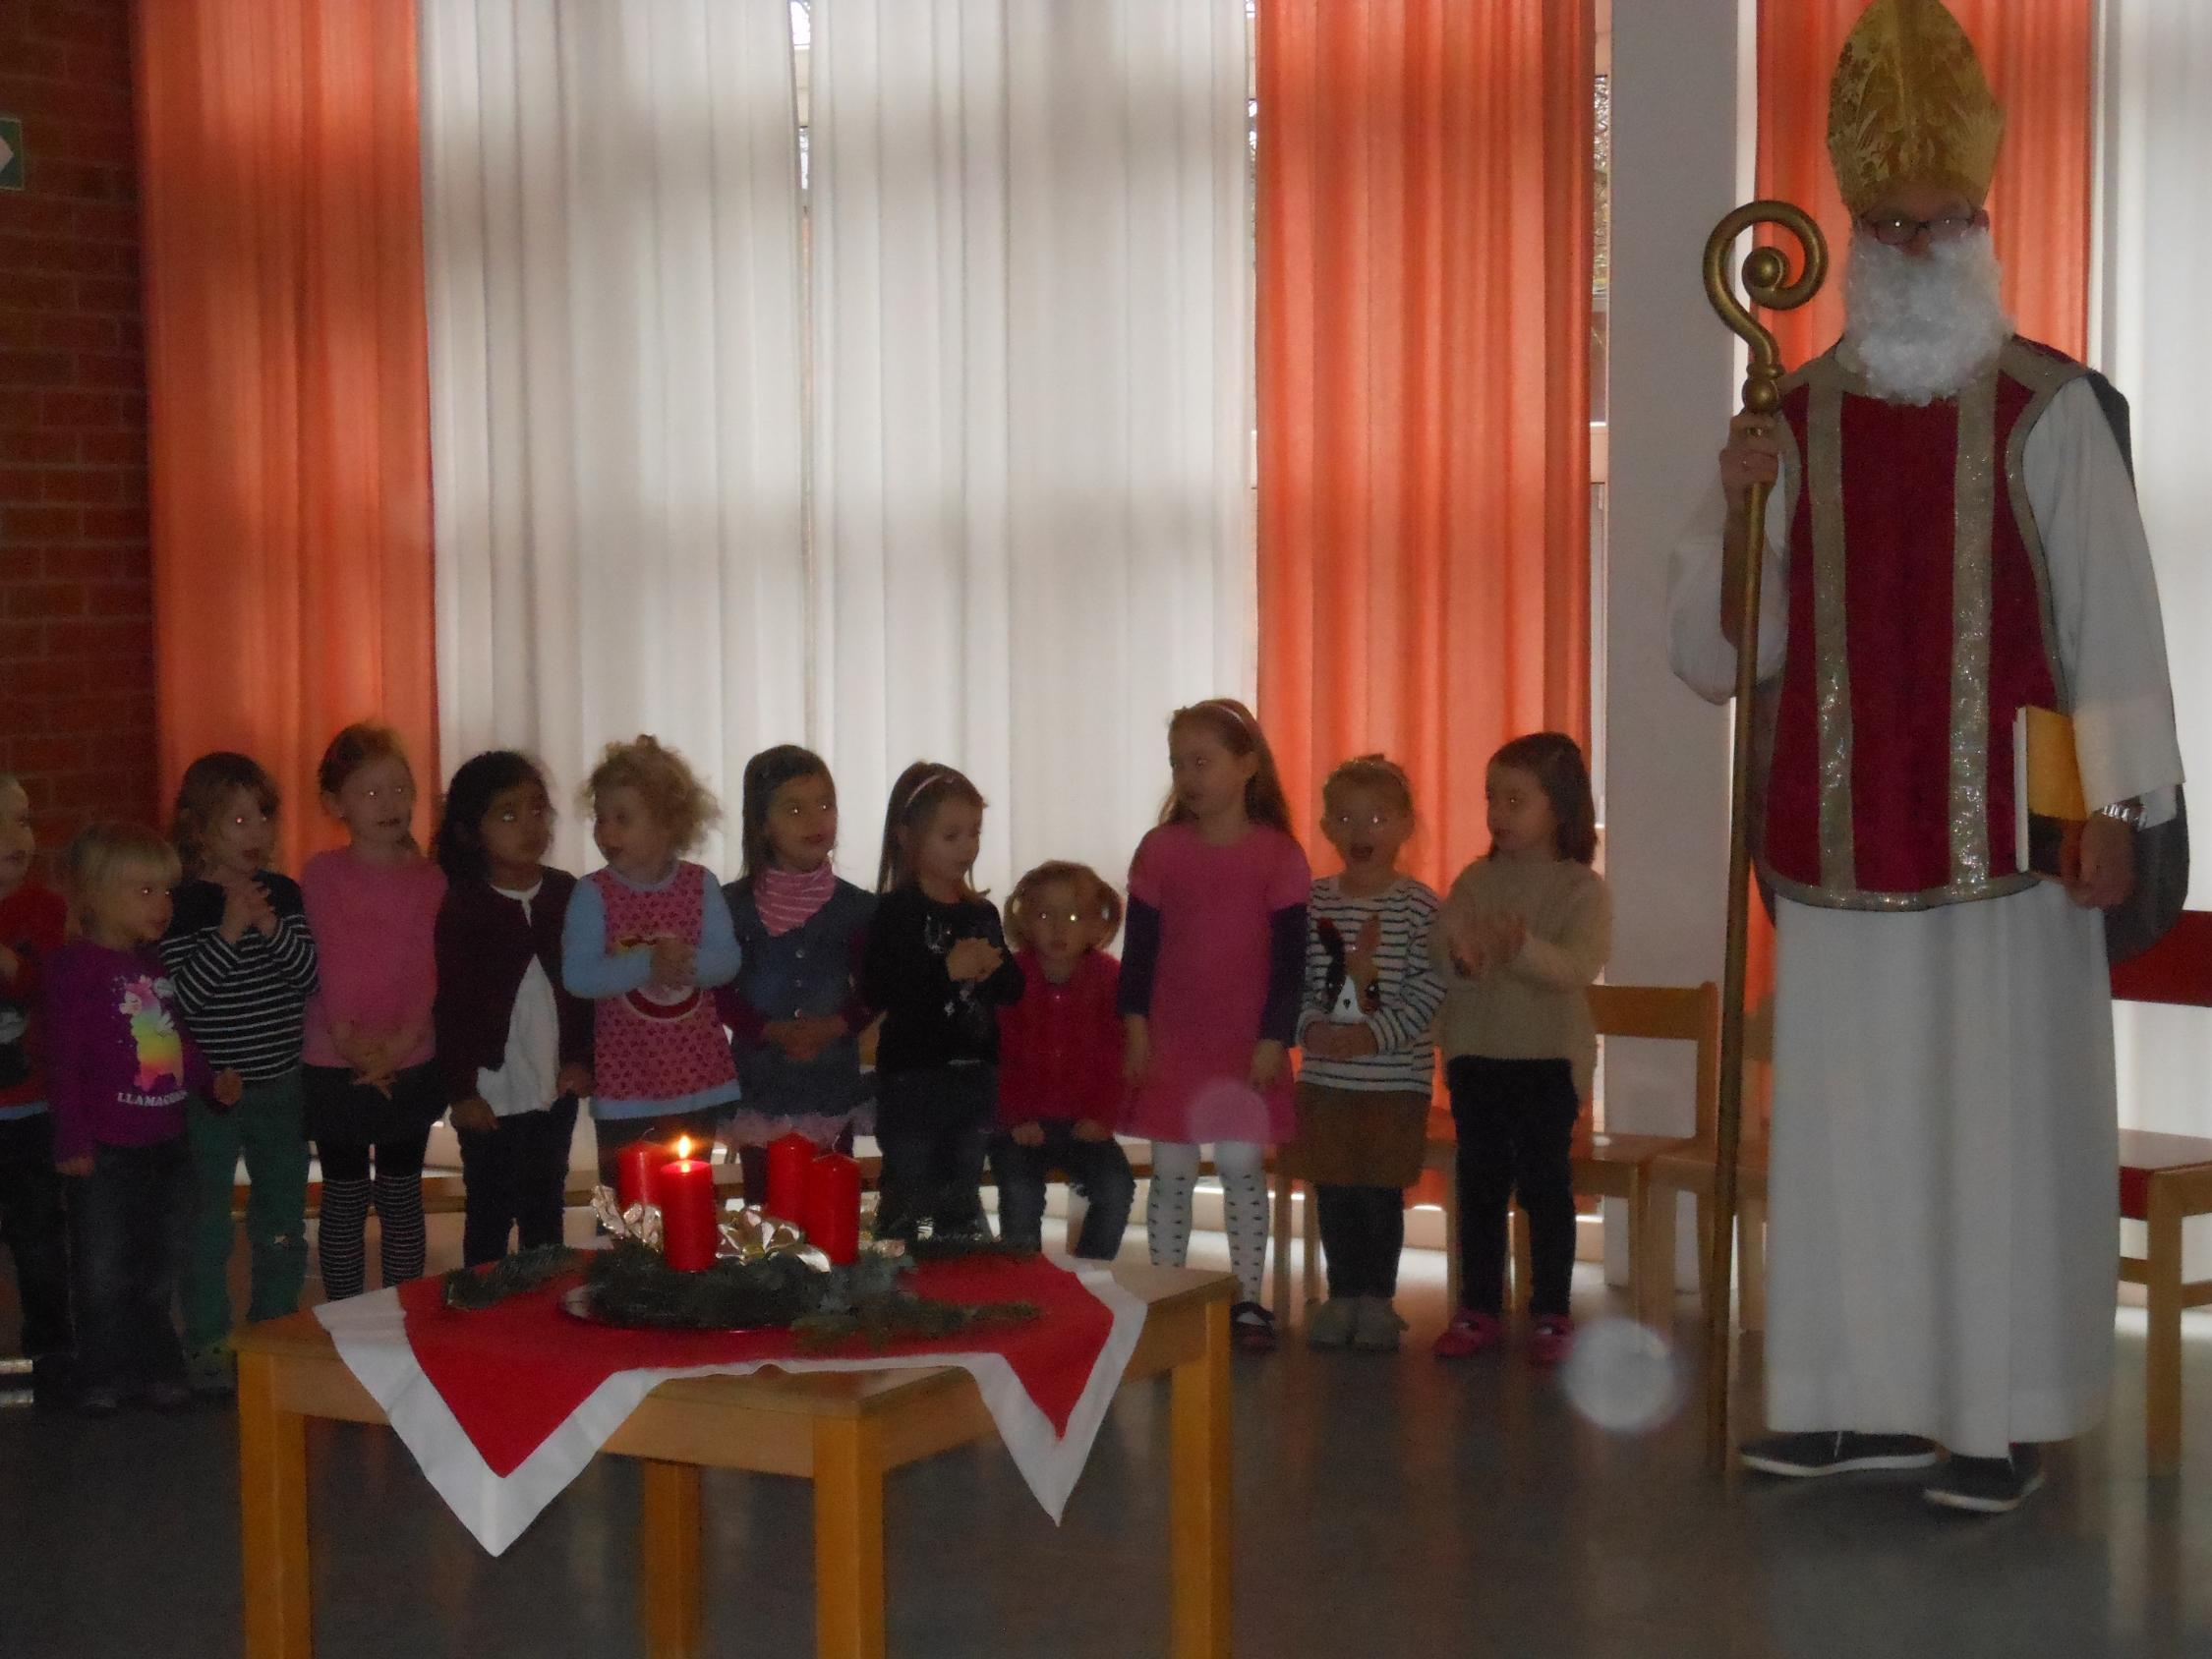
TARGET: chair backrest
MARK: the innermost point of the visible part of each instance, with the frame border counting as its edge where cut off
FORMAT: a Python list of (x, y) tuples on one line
[(1684, 1013), (2178, 969)]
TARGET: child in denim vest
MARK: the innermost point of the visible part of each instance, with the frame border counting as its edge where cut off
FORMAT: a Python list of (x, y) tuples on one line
[(794, 1011)]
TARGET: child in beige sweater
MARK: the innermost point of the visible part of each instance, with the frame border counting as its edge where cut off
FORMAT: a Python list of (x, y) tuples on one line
[(1524, 933)]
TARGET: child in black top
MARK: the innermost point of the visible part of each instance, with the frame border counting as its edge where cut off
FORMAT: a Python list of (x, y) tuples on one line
[(937, 967)]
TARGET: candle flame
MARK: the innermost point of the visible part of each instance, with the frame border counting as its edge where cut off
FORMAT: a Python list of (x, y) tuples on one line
[(683, 1146)]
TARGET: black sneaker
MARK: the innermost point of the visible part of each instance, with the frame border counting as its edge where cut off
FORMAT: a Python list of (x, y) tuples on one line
[(166, 1393), (100, 1400), (1804, 1457), (1987, 1485), (1252, 1328), (53, 1382)]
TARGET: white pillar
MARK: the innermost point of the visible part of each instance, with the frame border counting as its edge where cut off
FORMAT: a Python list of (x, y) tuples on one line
[(1678, 169)]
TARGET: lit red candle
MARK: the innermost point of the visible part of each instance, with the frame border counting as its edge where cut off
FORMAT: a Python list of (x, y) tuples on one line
[(789, 1160), (634, 1168), (685, 1192), (832, 1207)]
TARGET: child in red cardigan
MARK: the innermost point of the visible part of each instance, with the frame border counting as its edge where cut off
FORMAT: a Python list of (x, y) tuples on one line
[(1060, 1061), (513, 1047), (32, 1219)]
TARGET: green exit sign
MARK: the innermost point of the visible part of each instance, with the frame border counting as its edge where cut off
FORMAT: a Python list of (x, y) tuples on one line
[(11, 152)]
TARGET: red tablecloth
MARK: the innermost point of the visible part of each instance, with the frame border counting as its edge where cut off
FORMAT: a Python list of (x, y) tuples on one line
[(504, 1405)]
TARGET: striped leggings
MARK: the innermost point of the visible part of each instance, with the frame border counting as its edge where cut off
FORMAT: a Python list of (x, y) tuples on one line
[(347, 1192)]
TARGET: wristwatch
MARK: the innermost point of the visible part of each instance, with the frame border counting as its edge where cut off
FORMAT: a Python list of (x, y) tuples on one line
[(2132, 813)]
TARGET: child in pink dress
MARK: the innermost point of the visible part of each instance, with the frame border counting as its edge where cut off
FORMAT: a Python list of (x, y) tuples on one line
[(1211, 979)]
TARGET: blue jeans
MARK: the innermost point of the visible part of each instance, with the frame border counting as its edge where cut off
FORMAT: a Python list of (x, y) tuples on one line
[(130, 1218), (1098, 1170), (933, 1129)]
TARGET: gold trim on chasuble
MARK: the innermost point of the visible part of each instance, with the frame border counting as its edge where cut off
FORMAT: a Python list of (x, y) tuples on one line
[(1974, 523), (1831, 645), (1974, 575)]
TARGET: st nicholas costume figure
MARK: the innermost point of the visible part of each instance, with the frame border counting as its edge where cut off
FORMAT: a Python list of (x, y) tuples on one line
[(1952, 537)]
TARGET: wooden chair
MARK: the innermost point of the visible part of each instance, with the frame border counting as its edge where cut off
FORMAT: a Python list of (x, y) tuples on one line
[(1614, 1165), (1690, 1167), (2164, 1180)]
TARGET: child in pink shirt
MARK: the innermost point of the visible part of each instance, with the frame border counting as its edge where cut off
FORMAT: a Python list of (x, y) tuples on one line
[(371, 1091)]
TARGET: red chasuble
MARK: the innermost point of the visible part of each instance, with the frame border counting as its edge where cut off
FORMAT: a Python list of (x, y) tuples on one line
[(1920, 623)]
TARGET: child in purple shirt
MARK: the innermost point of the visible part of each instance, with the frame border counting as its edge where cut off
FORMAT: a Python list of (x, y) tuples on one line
[(119, 1067)]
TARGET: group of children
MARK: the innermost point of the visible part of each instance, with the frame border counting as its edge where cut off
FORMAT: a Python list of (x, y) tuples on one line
[(188, 1005)]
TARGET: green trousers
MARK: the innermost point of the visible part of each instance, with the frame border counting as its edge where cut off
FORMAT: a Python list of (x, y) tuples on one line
[(266, 1127)]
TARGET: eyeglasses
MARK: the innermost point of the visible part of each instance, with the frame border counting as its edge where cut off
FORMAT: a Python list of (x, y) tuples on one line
[(1894, 230)]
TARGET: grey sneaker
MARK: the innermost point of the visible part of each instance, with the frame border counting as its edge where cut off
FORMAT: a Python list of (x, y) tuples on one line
[(1803, 1456), (1377, 1327), (1987, 1485), (1330, 1325)]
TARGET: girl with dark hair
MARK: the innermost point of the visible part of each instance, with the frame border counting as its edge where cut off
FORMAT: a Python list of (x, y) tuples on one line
[(513, 1047), (1524, 933), (937, 965), (795, 1011)]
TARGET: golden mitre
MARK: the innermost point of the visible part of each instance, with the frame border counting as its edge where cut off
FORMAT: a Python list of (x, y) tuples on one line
[(1909, 104)]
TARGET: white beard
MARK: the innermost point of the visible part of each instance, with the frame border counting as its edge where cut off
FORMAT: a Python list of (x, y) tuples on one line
[(1919, 329)]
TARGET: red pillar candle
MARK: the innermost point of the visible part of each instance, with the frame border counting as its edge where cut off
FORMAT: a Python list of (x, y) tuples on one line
[(634, 1168), (685, 1192), (832, 1207), (789, 1160)]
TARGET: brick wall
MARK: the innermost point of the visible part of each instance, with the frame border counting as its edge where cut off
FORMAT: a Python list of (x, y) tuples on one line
[(76, 613)]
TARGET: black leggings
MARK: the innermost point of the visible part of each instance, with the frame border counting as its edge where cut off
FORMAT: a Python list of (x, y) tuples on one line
[(1516, 1122), (395, 1160), (1363, 1235), (516, 1177)]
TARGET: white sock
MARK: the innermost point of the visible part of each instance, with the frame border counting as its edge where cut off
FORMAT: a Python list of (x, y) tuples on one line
[(1167, 1203), (1243, 1192)]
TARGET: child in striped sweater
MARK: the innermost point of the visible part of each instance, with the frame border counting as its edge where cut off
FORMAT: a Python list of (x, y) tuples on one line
[(1368, 1058), (242, 961)]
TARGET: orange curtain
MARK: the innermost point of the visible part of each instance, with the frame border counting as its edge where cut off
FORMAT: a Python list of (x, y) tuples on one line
[(1425, 201), (287, 379), (2040, 58)]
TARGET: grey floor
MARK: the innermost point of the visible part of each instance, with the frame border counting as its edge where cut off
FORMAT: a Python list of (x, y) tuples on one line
[(1383, 1505)]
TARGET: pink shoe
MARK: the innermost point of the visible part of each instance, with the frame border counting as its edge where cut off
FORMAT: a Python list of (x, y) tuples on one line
[(1552, 1339), (1470, 1333)]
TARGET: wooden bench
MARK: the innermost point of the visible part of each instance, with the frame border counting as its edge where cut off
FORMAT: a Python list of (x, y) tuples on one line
[(2164, 1180)]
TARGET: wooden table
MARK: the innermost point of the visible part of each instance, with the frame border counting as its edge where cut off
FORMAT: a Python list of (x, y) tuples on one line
[(839, 1430)]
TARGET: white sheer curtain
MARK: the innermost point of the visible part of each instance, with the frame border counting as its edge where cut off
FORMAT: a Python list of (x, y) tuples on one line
[(2155, 337), (616, 328), (1033, 332)]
